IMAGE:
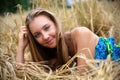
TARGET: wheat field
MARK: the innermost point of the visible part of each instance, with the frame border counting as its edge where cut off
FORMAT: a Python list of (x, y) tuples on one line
[(101, 17)]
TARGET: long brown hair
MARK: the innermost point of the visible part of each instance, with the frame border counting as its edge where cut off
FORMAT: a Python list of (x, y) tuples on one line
[(38, 51)]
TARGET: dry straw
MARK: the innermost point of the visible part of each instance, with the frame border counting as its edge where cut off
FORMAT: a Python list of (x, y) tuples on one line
[(106, 70), (101, 17)]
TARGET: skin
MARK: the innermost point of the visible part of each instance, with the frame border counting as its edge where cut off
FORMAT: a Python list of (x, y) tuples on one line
[(86, 41), (45, 33), (22, 43)]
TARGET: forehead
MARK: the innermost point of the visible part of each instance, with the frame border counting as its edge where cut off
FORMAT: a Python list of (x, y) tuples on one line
[(41, 18), (38, 22)]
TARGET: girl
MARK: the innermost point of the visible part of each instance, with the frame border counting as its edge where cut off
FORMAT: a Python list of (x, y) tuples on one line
[(47, 42)]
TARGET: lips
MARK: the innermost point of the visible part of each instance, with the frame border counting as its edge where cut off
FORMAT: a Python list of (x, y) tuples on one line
[(50, 42)]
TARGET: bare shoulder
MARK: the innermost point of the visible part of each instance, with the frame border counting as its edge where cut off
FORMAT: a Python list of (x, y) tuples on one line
[(81, 31), (84, 35)]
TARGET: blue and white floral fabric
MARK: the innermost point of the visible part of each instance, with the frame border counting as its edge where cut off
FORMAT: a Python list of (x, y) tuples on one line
[(105, 47)]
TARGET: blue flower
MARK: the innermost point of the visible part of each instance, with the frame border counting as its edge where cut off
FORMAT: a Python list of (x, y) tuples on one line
[(116, 54), (100, 50), (112, 41), (101, 47), (107, 46)]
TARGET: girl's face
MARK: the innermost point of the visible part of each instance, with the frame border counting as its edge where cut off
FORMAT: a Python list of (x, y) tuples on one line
[(44, 31)]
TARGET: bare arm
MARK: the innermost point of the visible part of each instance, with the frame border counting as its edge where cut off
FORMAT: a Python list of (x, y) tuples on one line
[(22, 43), (85, 42)]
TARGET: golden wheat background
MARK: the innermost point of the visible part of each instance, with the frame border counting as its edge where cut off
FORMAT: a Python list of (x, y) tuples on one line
[(102, 17)]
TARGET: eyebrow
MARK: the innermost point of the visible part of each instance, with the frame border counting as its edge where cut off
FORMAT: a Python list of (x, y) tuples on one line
[(41, 28)]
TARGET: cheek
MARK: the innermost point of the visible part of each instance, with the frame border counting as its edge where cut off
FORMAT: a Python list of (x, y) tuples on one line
[(39, 40), (55, 32)]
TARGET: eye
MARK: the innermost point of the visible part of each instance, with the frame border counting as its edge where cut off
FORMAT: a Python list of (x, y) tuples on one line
[(47, 28), (37, 35)]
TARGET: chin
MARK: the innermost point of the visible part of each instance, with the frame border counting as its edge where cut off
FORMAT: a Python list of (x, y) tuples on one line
[(52, 46)]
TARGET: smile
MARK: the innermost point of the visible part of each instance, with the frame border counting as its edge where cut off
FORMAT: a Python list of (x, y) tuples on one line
[(50, 42)]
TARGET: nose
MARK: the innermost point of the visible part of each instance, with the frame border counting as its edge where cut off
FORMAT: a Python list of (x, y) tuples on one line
[(45, 36)]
